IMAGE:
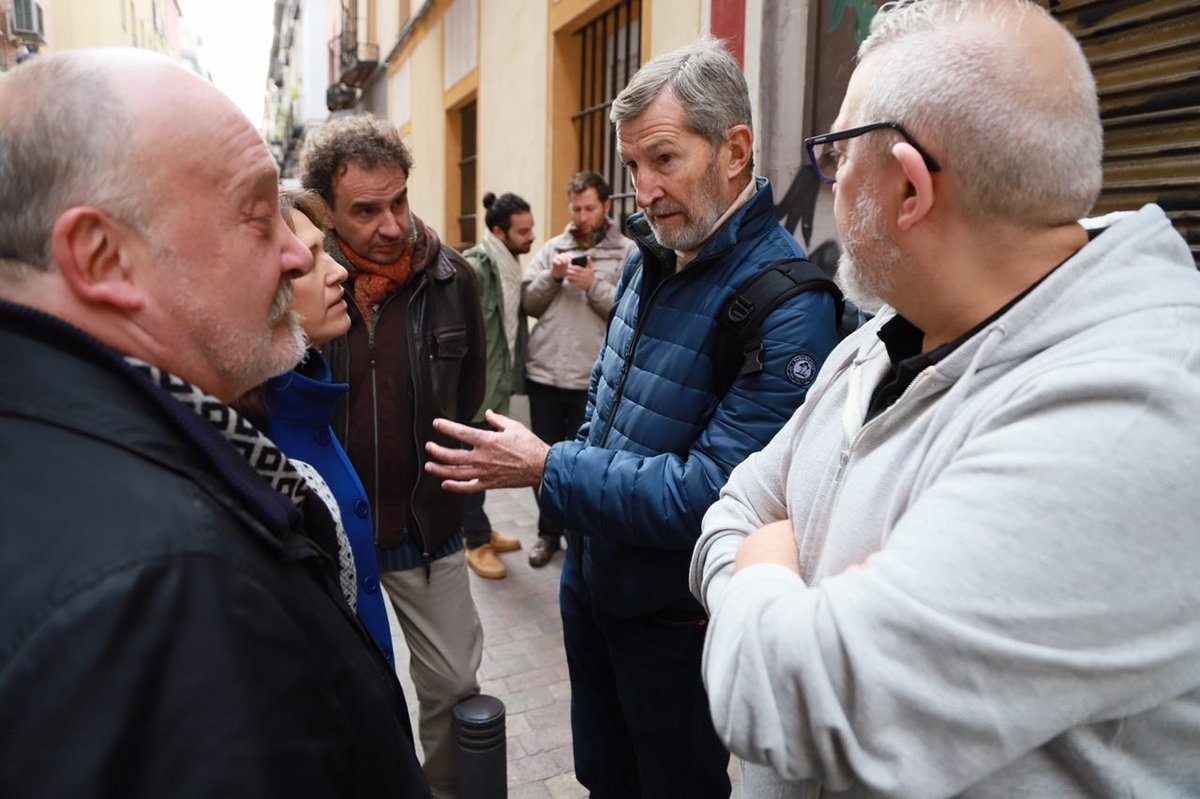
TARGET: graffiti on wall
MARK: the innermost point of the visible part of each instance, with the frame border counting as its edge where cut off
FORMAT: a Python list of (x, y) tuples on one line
[(830, 33), (864, 12)]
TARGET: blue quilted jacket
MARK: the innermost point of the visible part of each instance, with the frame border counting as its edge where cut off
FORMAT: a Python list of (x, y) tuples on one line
[(659, 440)]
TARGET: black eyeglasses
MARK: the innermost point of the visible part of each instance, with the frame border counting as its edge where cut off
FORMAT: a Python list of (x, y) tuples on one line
[(824, 157)]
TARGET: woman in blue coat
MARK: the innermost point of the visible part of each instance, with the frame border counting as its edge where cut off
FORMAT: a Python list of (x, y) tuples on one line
[(295, 408)]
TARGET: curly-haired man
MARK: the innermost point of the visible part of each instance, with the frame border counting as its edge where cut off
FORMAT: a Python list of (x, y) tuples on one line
[(414, 352)]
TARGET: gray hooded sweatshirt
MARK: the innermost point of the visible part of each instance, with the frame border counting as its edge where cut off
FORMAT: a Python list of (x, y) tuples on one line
[(1001, 572)]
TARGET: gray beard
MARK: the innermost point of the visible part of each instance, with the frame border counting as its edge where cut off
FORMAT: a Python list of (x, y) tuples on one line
[(865, 286), (591, 239), (695, 233), (849, 278)]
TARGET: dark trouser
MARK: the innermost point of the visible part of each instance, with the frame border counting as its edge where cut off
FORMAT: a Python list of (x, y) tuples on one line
[(477, 527), (555, 414), (639, 714)]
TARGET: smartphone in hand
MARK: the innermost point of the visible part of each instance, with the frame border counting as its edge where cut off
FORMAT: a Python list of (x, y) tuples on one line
[(580, 260)]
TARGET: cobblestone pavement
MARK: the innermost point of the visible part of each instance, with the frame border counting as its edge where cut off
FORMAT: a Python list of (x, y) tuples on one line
[(523, 659)]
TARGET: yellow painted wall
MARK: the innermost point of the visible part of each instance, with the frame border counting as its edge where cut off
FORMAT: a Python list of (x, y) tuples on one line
[(670, 24), (80, 24), (427, 184), (565, 97), (512, 106), (386, 27)]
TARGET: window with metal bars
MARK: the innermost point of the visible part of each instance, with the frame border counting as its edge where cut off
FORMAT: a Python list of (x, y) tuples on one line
[(612, 52), (466, 176)]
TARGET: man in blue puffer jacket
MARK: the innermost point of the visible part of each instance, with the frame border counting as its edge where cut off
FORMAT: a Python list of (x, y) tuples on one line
[(662, 433)]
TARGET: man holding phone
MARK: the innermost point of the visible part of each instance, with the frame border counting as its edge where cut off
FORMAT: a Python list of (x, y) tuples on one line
[(569, 288)]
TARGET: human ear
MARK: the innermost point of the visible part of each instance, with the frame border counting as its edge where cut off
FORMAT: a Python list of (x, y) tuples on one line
[(92, 253), (740, 144), (918, 190)]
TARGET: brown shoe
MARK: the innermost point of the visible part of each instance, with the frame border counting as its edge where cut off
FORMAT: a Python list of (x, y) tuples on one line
[(483, 561), (504, 543), (543, 551)]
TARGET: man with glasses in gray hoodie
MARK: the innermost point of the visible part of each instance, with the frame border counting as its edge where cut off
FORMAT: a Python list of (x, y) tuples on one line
[(967, 565)]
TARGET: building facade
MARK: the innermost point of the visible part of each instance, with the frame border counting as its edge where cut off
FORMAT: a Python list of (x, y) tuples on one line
[(146, 24), (26, 27), (499, 95), (29, 27), (513, 95), (297, 79)]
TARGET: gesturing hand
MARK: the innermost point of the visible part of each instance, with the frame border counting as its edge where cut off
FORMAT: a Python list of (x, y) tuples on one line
[(510, 456)]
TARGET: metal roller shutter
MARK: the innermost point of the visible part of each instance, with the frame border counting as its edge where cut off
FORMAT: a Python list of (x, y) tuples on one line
[(1146, 58)]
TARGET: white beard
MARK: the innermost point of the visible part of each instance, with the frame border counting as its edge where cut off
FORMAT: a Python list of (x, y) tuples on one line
[(867, 282)]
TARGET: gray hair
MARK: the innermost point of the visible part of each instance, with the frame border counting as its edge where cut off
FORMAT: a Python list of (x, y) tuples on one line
[(1020, 147), (65, 138), (704, 78)]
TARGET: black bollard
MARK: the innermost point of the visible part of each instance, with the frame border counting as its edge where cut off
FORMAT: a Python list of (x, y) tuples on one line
[(482, 754)]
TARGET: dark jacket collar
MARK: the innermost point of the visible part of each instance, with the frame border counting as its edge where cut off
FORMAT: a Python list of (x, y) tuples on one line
[(75, 381)]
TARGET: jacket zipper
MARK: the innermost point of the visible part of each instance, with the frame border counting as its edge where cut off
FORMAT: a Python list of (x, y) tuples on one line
[(628, 363), (848, 450), (413, 375), (637, 335), (371, 320)]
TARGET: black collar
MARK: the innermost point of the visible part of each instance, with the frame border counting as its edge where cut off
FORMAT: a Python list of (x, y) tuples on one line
[(903, 341)]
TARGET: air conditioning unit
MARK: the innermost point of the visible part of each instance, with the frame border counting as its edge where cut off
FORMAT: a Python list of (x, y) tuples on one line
[(339, 97), (28, 20)]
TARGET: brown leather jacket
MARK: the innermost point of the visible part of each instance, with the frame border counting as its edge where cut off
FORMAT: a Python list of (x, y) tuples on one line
[(424, 359)]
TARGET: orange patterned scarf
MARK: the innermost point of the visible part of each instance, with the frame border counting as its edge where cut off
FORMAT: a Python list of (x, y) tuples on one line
[(373, 282)]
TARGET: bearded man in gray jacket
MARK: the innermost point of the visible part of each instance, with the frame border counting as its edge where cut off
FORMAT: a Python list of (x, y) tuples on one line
[(967, 565)]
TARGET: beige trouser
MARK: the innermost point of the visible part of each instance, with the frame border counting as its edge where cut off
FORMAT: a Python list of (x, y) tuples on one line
[(445, 640)]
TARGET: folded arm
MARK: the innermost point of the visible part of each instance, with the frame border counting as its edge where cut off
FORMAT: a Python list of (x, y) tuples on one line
[(1043, 580)]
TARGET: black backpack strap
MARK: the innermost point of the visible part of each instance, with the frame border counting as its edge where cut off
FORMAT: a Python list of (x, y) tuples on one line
[(762, 294)]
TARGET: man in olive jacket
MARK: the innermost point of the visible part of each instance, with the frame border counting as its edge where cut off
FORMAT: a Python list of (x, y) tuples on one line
[(509, 234)]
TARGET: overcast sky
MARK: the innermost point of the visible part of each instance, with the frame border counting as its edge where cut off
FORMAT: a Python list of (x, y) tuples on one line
[(236, 46)]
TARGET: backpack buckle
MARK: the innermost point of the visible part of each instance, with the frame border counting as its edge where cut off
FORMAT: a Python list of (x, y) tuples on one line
[(740, 309), (752, 362)]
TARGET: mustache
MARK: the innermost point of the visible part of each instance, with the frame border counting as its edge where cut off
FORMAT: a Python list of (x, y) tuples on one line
[(660, 208), (281, 306)]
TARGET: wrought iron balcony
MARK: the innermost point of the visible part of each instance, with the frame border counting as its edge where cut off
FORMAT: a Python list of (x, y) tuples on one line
[(351, 62)]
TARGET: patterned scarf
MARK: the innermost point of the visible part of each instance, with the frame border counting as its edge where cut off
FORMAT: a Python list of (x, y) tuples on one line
[(292, 478), (375, 282), (509, 269)]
